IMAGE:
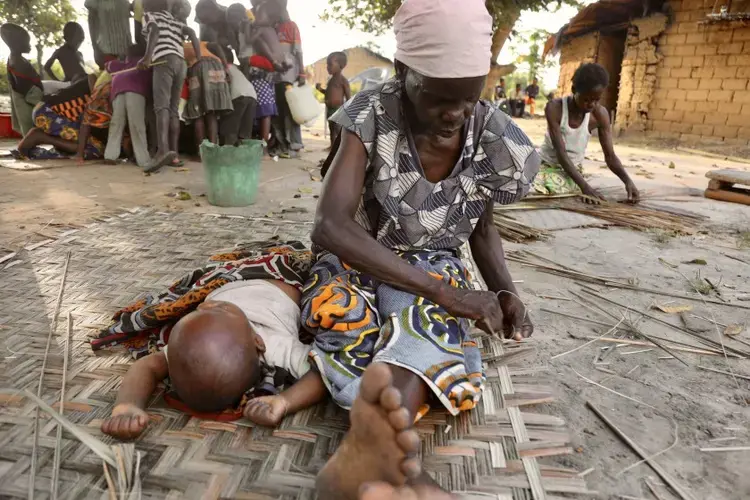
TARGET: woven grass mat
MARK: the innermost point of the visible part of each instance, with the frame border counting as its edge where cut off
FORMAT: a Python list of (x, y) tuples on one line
[(491, 452)]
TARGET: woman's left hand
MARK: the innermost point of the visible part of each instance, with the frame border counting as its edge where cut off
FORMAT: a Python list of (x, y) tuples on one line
[(517, 323)]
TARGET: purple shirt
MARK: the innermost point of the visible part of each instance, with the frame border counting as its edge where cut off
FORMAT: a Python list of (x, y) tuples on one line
[(137, 80)]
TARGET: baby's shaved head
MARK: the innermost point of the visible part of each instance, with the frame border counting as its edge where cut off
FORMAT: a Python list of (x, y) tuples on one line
[(213, 357)]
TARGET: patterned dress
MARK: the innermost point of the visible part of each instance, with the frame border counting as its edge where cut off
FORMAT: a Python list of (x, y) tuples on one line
[(356, 319)]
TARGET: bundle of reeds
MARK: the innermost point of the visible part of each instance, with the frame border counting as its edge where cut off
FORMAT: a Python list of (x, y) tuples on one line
[(641, 217), (517, 232)]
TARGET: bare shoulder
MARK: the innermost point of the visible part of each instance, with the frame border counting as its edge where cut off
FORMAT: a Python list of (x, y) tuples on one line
[(600, 116), (553, 109)]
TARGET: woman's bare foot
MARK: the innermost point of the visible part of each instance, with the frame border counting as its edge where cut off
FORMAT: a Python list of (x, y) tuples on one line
[(384, 491), (380, 444)]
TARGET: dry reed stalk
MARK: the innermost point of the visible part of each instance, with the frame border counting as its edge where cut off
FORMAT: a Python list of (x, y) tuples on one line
[(52, 328)]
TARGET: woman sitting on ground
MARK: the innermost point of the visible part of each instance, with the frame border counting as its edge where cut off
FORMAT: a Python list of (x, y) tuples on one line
[(419, 165), (57, 122), (570, 121)]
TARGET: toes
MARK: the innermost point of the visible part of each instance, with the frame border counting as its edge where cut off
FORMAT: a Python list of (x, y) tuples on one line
[(400, 419), (390, 399), (376, 378), (411, 468), (408, 441), (376, 491)]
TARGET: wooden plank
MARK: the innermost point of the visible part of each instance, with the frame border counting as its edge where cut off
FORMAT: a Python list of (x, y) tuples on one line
[(730, 176), (733, 196)]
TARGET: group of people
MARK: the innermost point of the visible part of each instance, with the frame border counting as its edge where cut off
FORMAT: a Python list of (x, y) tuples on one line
[(378, 314), (518, 99), (151, 87)]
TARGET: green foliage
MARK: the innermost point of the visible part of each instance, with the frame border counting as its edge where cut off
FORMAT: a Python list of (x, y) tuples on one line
[(528, 50), (4, 85), (375, 16), (44, 19)]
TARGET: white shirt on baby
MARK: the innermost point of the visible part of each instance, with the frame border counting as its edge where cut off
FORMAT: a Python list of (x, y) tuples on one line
[(273, 316)]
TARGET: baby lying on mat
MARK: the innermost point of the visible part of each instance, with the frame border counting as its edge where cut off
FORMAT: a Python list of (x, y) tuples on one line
[(215, 355)]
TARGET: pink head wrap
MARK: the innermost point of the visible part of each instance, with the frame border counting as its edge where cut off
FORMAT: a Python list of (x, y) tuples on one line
[(444, 38)]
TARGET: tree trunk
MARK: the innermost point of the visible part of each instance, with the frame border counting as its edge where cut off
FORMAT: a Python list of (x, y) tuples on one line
[(499, 37), (39, 63)]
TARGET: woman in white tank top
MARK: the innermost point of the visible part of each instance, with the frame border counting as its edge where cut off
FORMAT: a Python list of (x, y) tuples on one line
[(570, 121)]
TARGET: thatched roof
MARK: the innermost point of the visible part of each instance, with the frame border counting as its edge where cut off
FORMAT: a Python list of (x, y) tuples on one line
[(600, 15)]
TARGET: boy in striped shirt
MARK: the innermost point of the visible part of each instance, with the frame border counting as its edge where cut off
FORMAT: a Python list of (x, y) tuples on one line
[(165, 34)]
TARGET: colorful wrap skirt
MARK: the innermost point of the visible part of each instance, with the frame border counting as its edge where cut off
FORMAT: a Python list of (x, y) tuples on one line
[(52, 123), (98, 112), (357, 320), (552, 179)]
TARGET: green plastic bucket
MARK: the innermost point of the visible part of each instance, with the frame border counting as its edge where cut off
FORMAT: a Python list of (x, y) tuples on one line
[(232, 172)]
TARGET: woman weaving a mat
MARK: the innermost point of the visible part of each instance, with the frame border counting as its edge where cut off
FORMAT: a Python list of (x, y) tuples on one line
[(570, 121), (420, 163)]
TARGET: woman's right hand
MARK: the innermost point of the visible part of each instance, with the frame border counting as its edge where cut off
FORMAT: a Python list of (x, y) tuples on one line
[(481, 306)]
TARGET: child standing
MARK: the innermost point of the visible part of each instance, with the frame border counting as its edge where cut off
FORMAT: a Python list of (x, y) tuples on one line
[(25, 85), (70, 58), (209, 91), (130, 87), (165, 35), (287, 132), (337, 92)]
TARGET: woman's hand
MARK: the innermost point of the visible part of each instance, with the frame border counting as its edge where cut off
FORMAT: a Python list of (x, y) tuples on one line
[(517, 323), (481, 306), (591, 195), (492, 315), (633, 194)]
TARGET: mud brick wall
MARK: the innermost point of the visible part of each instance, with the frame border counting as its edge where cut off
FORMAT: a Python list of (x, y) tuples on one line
[(575, 52), (638, 80), (702, 79)]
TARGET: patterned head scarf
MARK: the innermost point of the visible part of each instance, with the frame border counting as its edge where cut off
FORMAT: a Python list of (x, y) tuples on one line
[(444, 38)]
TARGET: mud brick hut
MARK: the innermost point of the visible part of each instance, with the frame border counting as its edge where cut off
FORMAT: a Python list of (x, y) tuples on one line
[(679, 68)]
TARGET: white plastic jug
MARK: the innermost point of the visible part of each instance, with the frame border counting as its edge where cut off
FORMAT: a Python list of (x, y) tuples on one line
[(302, 103)]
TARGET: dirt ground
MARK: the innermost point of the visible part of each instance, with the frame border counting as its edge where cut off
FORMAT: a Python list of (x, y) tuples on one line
[(705, 409)]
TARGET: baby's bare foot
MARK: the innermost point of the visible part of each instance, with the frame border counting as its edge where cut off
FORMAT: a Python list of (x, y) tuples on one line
[(380, 444)]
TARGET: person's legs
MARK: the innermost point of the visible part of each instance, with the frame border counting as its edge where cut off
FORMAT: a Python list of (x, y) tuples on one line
[(229, 125), (199, 126), (136, 111), (164, 76), (116, 128), (247, 120), (37, 137), (180, 72), (212, 126), (279, 122), (265, 128)]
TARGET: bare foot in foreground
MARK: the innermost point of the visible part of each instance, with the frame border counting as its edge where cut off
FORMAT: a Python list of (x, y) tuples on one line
[(380, 444), (384, 491)]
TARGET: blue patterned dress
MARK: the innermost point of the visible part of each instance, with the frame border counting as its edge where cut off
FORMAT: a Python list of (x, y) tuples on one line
[(356, 319)]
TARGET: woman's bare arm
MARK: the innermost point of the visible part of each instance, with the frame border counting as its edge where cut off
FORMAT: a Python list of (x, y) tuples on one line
[(487, 249), (613, 162)]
